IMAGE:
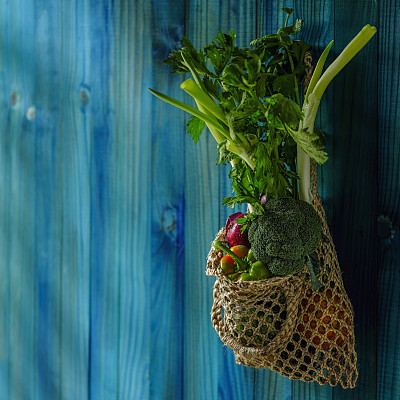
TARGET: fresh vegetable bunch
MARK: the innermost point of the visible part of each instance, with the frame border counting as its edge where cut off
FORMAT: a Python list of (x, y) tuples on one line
[(251, 101), (278, 242)]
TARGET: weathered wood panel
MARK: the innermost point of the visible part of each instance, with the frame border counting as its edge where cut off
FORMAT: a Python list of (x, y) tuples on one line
[(107, 209), (354, 182), (211, 371), (388, 185)]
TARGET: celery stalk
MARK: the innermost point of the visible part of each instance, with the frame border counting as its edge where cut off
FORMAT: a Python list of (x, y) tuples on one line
[(190, 87), (191, 110), (313, 98)]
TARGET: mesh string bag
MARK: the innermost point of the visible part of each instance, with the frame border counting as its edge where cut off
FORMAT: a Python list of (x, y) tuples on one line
[(282, 324)]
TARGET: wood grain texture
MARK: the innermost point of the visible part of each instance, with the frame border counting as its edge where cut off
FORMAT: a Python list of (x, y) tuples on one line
[(108, 210), (211, 371), (167, 366), (355, 183), (19, 234), (132, 162), (105, 209), (388, 343)]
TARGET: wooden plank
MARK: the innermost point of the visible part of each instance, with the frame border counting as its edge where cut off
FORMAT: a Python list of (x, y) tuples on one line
[(355, 182), (131, 162), (105, 270), (73, 232), (167, 209), (48, 213), (210, 369), (5, 203), (19, 233), (388, 374)]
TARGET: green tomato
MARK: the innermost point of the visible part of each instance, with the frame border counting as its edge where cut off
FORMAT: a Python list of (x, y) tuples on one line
[(259, 271), (246, 277), (251, 256)]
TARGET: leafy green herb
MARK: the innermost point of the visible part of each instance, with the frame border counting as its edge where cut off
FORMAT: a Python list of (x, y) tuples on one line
[(249, 99), (195, 127)]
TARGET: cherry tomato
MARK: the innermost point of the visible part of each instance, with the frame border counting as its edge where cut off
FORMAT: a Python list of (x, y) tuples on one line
[(227, 265), (240, 250)]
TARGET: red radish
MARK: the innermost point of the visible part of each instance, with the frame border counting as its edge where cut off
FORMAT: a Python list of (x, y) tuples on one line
[(234, 235)]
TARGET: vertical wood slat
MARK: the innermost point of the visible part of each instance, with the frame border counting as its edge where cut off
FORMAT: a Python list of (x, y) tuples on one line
[(104, 279), (19, 182), (44, 203), (355, 183), (5, 207), (74, 231), (211, 371), (388, 344), (165, 260), (133, 161), (47, 212)]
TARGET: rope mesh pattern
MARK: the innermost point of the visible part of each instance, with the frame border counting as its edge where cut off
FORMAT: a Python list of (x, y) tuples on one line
[(282, 324)]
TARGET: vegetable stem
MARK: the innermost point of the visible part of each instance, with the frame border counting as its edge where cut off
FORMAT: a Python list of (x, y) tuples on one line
[(296, 89), (191, 110), (317, 88), (220, 246), (359, 41)]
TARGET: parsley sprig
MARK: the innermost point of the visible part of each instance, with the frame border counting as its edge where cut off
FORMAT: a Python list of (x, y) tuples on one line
[(250, 100)]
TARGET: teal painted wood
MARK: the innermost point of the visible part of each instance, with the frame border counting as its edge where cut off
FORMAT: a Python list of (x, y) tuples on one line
[(105, 214), (388, 371), (102, 292), (167, 354), (355, 184), (132, 161), (211, 371), (73, 194), (19, 234)]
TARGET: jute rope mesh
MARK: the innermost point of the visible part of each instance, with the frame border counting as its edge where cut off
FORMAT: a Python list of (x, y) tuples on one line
[(281, 323)]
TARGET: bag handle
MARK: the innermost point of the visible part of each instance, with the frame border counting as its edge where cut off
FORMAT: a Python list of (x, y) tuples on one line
[(292, 291)]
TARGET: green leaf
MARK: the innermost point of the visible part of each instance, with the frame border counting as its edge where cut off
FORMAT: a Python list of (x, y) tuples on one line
[(224, 155), (283, 110), (309, 143), (284, 85), (287, 10), (299, 49), (193, 59), (195, 127), (253, 67), (176, 62), (233, 75), (284, 38), (212, 87)]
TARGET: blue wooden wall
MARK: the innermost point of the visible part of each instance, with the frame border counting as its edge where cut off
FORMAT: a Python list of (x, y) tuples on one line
[(107, 208)]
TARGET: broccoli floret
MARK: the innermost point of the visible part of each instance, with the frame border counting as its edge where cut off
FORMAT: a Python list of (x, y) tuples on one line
[(287, 232), (281, 267)]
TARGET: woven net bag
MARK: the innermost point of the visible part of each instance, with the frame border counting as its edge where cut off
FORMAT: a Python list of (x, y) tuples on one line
[(282, 324)]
